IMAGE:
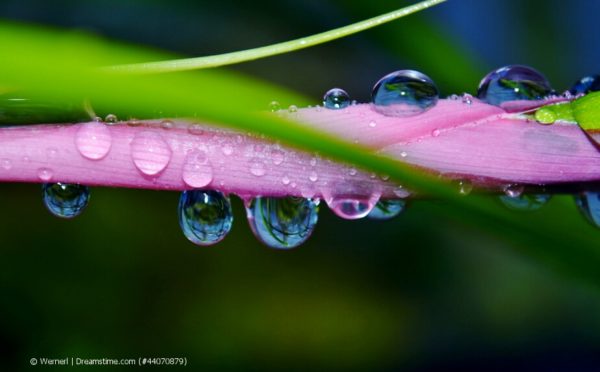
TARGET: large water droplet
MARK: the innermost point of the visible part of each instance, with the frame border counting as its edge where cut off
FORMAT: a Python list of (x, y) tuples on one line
[(93, 140), (387, 209), (150, 153), (404, 93), (65, 200), (282, 223), (336, 99), (586, 85), (525, 202), (197, 169), (352, 208), (511, 83), (204, 216)]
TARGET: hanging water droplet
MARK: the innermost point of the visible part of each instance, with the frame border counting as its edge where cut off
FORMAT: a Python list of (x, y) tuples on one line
[(6, 164), (514, 82), (282, 223), (166, 124), (589, 205), (336, 99), (387, 209), (111, 119), (514, 190), (257, 168), (586, 85), (404, 93), (197, 169), (204, 216), (525, 202), (93, 140), (293, 109), (196, 129), (274, 106), (352, 208), (65, 200), (45, 174), (313, 177), (465, 187), (150, 153)]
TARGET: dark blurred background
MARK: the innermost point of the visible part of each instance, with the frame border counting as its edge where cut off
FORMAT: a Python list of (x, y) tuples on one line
[(420, 292)]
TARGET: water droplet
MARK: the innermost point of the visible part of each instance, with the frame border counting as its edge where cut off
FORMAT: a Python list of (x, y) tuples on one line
[(467, 99), (404, 93), (586, 85), (285, 180), (313, 177), (525, 202), (204, 216), (111, 119), (293, 108), (401, 192), (514, 82), (453, 97), (387, 209), (589, 205), (435, 132), (65, 200), (385, 177), (513, 190), (6, 164), (227, 149), (545, 116), (196, 129), (465, 187), (166, 124), (45, 174), (313, 161), (336, 99), (51, 152), (403, 154), (352, 171), (93, 140), (197, 169), (274, 106), (277, 156), (282, 223), (257, 168), (133, 122), (150, 153), (352, 208), (372, 124)]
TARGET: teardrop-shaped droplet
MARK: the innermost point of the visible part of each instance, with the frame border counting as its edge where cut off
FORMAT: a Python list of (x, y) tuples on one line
[(150, 153), (512, 83), (65, 200), (282, 223), (204, 216), (404, 93), (197, 169), (387, 209), (589, 205), (93, 140), (525, 202), (336, 99), (586, 85), (514, 190), (352, 208)]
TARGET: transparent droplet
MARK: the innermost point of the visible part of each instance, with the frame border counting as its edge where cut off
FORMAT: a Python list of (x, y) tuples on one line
[(352, 208), (293, 108), (514, 190), (6, 164), (166, 124), (336, 99), (196, 129), (133, 122), (111, 119), (511, 83), (150, 153), (467, 99), (372, 124), (197, 169), (586, 85), (65, 200), (227, 149), (93, 140), (352, 171), (435, 132), (404, 93), (525, 202), (589, 205), (277, 156), (465, 187), (282, 223), (313, 177), (257, 168), (285, 180), (45, 174), (274, 106), (387, 209), (204, 216)]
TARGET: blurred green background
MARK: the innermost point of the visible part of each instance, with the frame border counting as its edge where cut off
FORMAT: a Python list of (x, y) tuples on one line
[(421, 292)]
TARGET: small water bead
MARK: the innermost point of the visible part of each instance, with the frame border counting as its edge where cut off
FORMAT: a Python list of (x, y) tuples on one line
[(274, 106), (586, 85), (93, 140), (404, 93), (511, 83), (166, 124), (45, 174), (467, 99), (387, 209), (465, 187), (525, 202), (197, 169), (282, 223), (111, 119), (227, 149), (372, 124), (589, 205), (150, 153), (435, 132), (204, 216), (277, 156), (514, 190), (352, 171), (285, 180), (133, 122), (196, 129), (257, 168), (293, 109), (336, 99), (6, 164), (65, 200), (313, 177), (352, 208)]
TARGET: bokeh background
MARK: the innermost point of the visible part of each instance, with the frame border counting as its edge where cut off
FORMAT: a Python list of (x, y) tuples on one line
[(421, 292)]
